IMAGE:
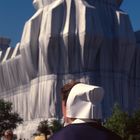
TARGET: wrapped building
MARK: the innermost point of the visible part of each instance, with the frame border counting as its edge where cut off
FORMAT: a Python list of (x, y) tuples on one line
[(91, 41)]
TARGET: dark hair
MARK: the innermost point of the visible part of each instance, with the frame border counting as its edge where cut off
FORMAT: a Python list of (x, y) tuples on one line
[(65, 90)]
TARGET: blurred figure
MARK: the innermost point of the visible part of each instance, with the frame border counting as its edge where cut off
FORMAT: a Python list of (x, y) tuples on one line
[(81, 107), (41, 137), (8, 135)]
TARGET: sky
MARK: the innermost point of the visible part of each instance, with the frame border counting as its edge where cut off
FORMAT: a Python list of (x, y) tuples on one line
[(14, 14)]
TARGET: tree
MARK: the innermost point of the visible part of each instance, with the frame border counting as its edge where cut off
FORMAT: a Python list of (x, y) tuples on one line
[(54, 125), (48, 127), (127, 126), (118, 122), (133, 126), (8, 119), (43, 128)]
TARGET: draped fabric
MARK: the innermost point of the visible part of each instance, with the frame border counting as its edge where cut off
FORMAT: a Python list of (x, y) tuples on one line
[(84, 40), (134, 77)]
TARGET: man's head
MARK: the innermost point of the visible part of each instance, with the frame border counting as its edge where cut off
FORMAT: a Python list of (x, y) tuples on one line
[(81, 101)]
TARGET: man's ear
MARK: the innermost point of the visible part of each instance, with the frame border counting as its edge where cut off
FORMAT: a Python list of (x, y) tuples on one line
[(63, 108)]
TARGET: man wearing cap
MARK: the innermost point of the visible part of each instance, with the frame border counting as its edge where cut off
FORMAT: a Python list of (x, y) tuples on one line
[(81, 107)]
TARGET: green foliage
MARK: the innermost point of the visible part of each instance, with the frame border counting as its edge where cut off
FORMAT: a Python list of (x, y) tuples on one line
[(128, 127), (133, 126), (134, 137), (48, 127), (55, 126), (43, 127), (118, 122), (8, 119)]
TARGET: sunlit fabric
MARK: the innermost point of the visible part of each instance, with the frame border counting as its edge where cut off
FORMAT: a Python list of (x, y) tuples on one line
[(84, 40)]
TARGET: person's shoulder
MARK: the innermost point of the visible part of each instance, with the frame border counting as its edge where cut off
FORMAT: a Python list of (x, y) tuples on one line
[(106, 132), (64, 134), (112, 135)]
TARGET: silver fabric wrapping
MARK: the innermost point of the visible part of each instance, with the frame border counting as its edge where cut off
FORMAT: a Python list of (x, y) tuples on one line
[(84, 40)]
